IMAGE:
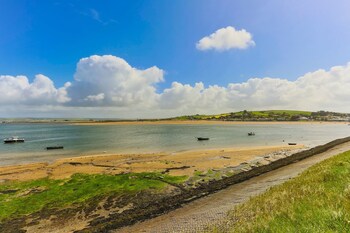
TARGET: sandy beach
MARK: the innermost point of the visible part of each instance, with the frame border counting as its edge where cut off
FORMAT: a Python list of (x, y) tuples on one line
[(181, 163)]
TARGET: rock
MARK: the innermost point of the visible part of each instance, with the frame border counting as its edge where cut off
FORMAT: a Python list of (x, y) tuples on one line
[(8, 191), (263, 162), (246, 169), (75, 163)]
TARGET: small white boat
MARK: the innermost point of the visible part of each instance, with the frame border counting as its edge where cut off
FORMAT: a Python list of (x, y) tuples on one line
[(13, 139)]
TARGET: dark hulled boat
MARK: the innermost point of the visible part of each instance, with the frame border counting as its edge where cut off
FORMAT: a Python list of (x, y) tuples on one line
[(54, 147), (202, 139)]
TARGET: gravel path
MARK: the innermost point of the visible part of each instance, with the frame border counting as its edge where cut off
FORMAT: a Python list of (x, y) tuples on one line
[(197, 215)]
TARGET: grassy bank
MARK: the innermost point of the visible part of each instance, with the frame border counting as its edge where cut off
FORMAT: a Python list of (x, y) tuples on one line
[(316, 201), (251, 115), (23, 198)]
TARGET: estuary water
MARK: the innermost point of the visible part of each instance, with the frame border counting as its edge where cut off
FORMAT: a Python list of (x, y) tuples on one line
[(81, 140)]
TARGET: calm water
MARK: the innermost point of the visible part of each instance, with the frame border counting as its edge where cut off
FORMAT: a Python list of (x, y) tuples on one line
[(84, 140)]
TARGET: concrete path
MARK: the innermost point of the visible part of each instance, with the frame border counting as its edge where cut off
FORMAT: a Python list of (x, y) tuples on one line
[(197, 215)]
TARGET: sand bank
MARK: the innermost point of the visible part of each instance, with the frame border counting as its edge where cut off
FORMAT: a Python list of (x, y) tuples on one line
[(181, 163)]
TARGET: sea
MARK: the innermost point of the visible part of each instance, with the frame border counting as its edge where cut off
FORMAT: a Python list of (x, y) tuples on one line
[(80, 140)]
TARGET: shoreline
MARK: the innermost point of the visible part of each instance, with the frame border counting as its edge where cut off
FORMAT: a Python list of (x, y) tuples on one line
[(212, 209), (206, 122), (166, 122), (117, 210), (210, 187), (179, 163)]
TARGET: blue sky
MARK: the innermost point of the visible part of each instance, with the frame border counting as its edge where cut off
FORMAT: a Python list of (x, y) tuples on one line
[(291, 38)]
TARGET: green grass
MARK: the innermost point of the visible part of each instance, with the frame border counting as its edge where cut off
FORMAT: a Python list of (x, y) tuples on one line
[(75, 190), (281, 112), (269, 113), (251, 114), (316, 201)]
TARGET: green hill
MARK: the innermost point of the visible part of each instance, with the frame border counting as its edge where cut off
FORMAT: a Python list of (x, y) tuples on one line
[(271, 115)]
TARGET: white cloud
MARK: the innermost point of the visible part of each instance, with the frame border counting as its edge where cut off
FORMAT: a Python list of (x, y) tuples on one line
[(226, 39), (185, 98), (18, 90), (98, 97), (328, 90), (107, 86), (111, 81)]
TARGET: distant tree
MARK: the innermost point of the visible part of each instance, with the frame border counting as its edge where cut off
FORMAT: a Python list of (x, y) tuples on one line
[(322, 113), (294, 118)]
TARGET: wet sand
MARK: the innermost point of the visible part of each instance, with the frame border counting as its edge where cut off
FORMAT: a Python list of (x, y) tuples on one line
[(197, 215), (181, 163)]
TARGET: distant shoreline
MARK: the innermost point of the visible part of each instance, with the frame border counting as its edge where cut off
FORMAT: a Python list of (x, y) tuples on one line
[(165, 122), (203, 122)]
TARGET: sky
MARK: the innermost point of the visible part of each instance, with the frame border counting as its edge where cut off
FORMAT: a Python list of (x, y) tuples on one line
[(161, 58)]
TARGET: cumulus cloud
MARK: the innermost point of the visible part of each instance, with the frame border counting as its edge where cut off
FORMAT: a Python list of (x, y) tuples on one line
[(314, 91), (111, 81), (226, 39), (18, 90), (107, 86), (98, 97), (184, 97)]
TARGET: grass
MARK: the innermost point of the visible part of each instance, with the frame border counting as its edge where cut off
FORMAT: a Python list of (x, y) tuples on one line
[(32, 196), (269, 114), (281, 112), (316, 201)]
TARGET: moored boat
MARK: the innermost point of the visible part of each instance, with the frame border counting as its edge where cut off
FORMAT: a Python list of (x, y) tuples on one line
[(13, 139), (54, 147), (202, 139), (292, 143), (251, 134)]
